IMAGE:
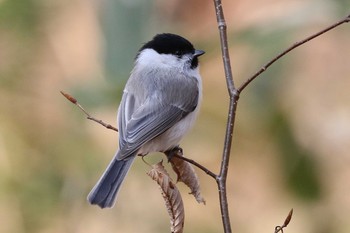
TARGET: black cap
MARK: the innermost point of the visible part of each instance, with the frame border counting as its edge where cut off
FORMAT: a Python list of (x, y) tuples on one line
[(168, 43)]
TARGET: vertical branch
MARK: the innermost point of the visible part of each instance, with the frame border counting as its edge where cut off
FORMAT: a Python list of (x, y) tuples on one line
[(234, 95), (224, 46), (222, 177)]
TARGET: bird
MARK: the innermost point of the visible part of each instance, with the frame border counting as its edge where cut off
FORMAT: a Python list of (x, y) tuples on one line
[(159, 105)]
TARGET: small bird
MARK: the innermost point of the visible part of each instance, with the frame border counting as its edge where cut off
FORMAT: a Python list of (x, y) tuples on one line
[(159, 105)]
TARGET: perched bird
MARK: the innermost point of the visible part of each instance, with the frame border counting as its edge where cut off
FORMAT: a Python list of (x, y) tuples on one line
[(159, 105)]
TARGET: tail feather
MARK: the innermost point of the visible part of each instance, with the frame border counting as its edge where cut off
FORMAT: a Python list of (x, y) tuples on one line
[(105, 191)]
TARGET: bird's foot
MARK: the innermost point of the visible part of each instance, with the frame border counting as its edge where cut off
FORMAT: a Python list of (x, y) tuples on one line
[(177, 150)]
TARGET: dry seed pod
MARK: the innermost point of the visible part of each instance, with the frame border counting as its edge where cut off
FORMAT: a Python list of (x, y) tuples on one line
[(171, 195)]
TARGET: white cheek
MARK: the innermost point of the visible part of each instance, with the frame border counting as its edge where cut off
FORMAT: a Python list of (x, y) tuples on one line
[(152, 59)]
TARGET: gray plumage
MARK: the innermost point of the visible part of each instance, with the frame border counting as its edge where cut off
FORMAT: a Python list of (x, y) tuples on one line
[(159, 105)]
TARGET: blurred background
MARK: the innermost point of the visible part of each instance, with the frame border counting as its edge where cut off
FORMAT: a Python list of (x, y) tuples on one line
[(292, 136)]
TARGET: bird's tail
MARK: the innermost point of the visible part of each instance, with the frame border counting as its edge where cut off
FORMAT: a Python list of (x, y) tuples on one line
[(105, 191)]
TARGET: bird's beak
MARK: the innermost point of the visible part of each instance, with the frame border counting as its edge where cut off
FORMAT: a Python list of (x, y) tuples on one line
[(198, 53)]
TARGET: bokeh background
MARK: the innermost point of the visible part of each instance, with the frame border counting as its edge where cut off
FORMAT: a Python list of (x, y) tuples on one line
[(292, 136)]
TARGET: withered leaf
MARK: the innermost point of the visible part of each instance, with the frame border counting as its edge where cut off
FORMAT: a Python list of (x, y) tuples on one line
[(171, 195), (289, 217), (186, 174)]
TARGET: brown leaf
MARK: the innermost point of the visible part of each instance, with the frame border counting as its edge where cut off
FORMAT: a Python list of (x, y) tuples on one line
[(171, 195), (289, 217), (69, 97), (186, 174)]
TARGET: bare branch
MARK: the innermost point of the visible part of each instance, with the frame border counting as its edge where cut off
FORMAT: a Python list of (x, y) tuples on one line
[(234, 96), (295, 45), (108, 126), (178, 154), (224, 46), (75, 102)]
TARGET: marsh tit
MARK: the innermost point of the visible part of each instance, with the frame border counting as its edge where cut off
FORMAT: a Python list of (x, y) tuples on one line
[(159, 105)]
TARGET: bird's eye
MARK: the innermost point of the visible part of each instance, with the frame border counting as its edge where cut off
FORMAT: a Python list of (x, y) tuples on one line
[(178, 53)]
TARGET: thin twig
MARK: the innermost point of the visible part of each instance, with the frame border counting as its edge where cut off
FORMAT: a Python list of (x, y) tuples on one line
[(88, 116), (224, 46), (108, 126), (295, 45), (191, 161), (234, 96)]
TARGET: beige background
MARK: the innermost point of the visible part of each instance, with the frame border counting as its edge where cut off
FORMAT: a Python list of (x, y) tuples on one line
[(292, 136)]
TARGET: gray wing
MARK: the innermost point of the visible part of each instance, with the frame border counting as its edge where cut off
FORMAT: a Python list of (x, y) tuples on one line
[(141, 122)]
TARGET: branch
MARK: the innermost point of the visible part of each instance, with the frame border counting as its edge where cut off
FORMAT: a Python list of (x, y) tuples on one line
[(224, 46), (295, 45), (234, 96), (88, 116), (191, 161)]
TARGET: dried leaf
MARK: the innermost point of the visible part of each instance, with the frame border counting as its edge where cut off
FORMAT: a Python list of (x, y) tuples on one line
[(171, 195), (186, 174), (289, 217), (69, 97)]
